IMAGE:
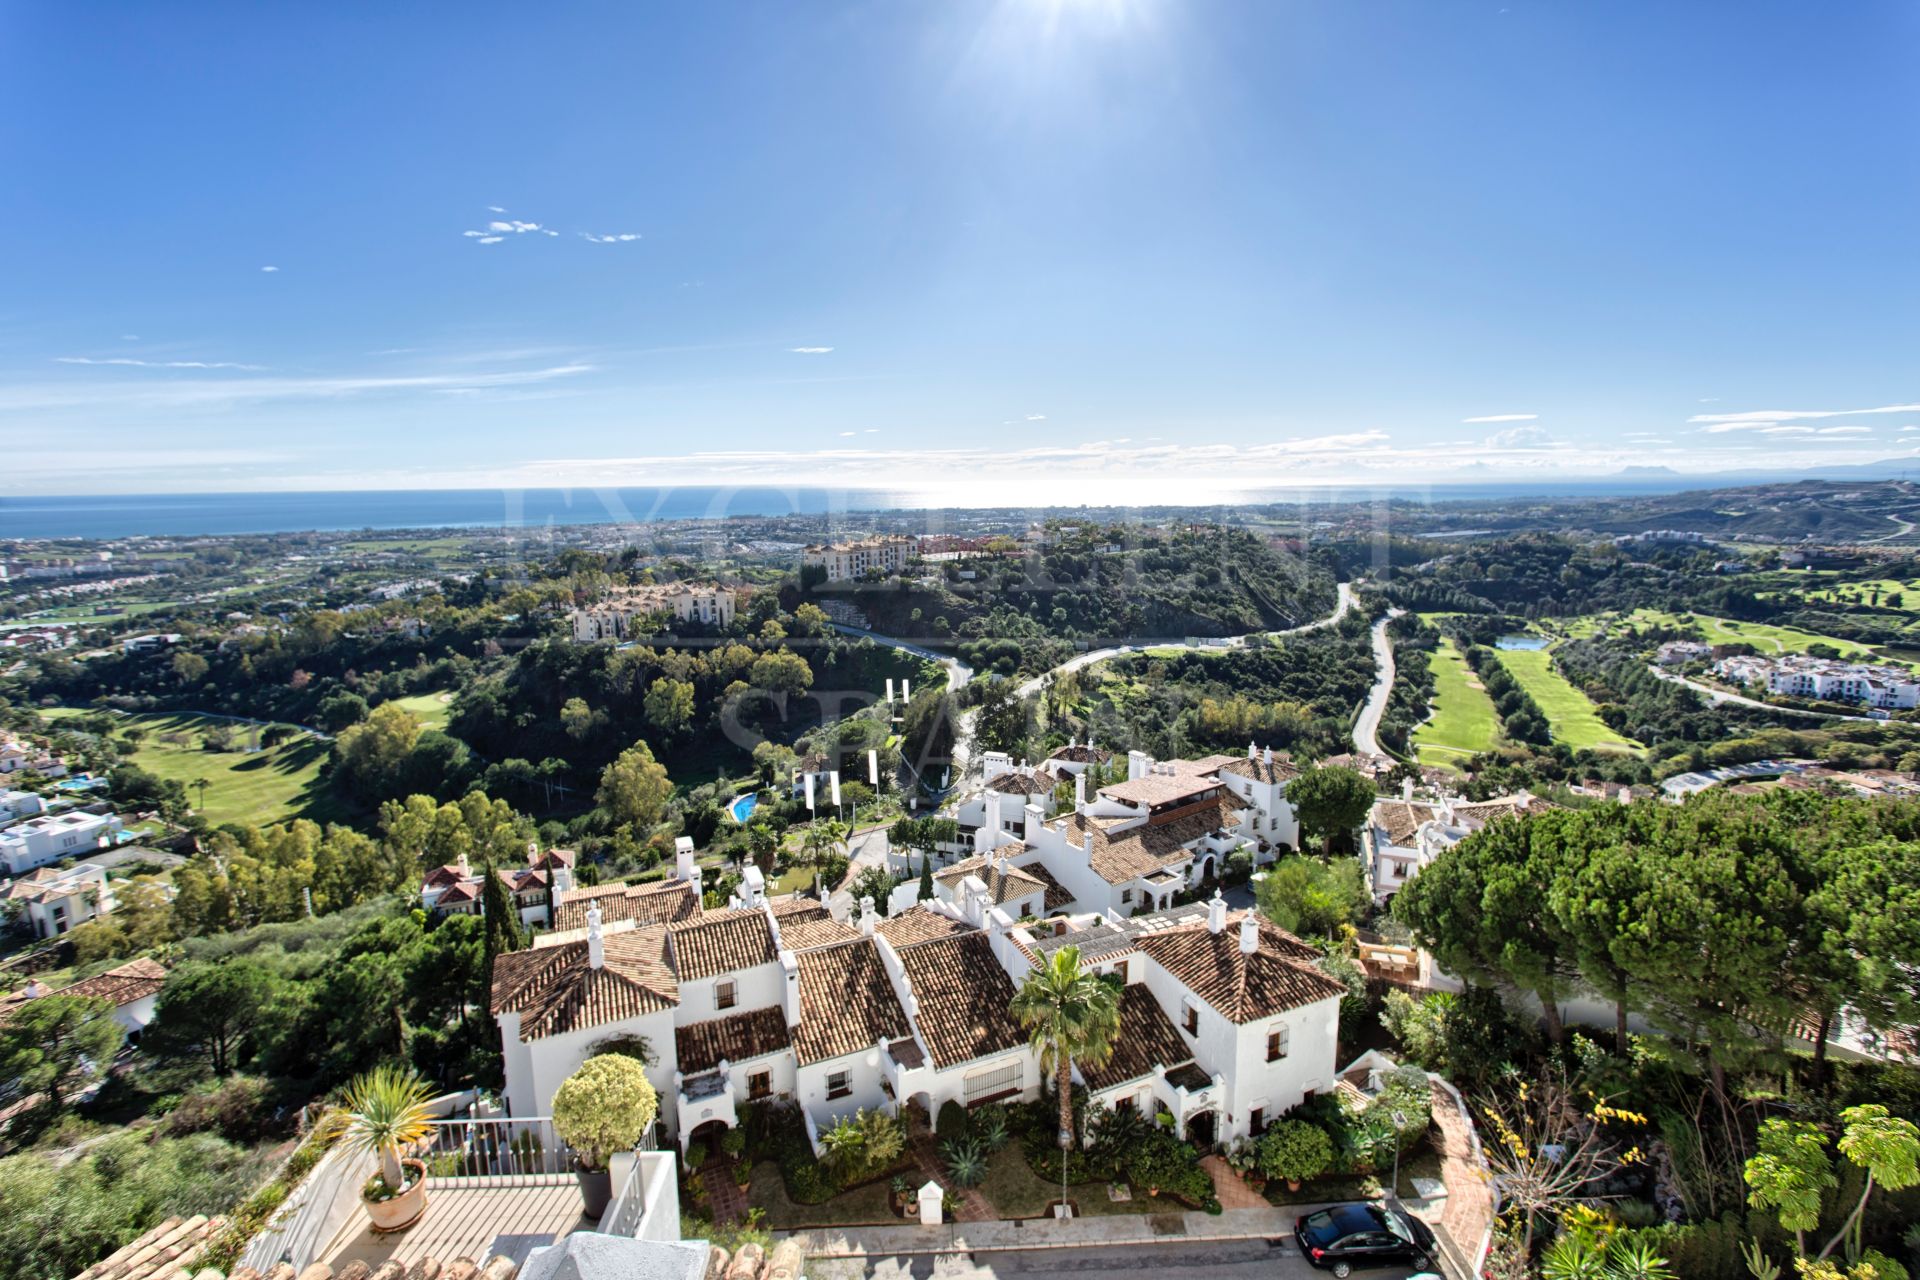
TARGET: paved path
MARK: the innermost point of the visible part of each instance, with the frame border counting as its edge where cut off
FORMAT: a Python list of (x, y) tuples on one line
[(1271, 1259), (1714, 695), (1366, 729), (958, 672)]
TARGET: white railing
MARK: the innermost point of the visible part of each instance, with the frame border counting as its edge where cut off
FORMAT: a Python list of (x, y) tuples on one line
[(499, 1151), (627, 1215)]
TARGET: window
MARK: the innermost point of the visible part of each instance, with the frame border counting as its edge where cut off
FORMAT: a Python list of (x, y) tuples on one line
[(759, 1083), (1257, 1122), (1277, 1044), (1190, 1019), (725, 996), (839, 1084), (992, 1082), (1126, 896), (1124, 1104)]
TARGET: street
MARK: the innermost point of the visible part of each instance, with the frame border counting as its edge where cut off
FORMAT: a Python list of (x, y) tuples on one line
[(1249, 1260)]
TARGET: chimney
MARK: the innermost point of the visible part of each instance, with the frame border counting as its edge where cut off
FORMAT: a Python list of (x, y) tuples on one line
[(1216, 913), (973, 900), (683, 858), (1250, 751), (1269, 755), (866, 916), (466, 868), (1406, 788), (1139, 763), (1035, 815), (1249, 934), (790, 989), (1080, 791), (533, 853), (562, 878), (596, 944), (753, 886)]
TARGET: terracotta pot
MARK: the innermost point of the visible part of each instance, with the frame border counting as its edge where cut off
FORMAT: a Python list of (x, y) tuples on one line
[(1292, 1185), (403, 1210), (596, 1191)]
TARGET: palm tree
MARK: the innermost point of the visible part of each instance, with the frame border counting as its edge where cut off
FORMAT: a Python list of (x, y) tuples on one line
[(202, 784), (764, 841), (823, 839), (1071, 1016), (384, 1113)]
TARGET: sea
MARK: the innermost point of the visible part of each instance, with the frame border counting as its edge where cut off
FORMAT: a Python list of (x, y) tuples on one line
[(106, 516)]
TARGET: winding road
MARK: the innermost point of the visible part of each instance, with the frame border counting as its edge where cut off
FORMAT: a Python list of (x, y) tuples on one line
[(1714, 695), (1366, 729)]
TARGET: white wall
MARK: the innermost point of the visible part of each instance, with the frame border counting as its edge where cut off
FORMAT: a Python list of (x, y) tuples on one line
[(755, 988), (811, 1086)]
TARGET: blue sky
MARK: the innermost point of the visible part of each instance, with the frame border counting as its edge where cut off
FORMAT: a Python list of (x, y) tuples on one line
[(1081, 248)]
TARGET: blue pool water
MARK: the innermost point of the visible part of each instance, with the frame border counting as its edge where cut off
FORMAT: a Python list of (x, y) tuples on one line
[(743, 808), (1520, 642)]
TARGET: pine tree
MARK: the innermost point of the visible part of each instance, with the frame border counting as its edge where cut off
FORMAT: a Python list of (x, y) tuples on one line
[(926, 875)]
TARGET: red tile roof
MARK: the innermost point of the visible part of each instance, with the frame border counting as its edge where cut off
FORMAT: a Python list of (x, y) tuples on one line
[(1279, 975), (847, 1002), (556, 989), (962, 996)]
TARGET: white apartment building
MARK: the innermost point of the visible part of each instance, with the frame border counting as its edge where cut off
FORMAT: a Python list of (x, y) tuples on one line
[(55, 902), (15, 805), (1826, 679), (615, 617), (1403, 836), (53, 836), (846, 561), (1226, 1020)]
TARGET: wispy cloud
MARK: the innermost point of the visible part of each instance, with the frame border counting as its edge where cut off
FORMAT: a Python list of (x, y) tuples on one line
[(845, 434), (494, 208), (1519, 437), (1503, 417), (501, 229), (159, 364), (619, 237), (187, 393), (809, 351), (269, 269), (1794, 415)]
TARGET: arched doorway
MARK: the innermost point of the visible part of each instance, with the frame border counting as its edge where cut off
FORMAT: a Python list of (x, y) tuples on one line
[(1203, 1130), (1207, 870)]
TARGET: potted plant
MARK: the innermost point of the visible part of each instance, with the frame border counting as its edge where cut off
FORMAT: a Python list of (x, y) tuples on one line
[(603, 1108), (1295, 1151), (384, 1114)]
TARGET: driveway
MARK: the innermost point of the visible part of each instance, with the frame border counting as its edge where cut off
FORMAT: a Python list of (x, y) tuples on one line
[(1182, 1260)]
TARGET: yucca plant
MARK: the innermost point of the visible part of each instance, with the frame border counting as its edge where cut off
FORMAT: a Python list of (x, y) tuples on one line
[(383, 1114), (966, 1164)]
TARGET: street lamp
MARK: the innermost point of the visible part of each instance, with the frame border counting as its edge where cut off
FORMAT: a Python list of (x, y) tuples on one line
[(1399, 1123)]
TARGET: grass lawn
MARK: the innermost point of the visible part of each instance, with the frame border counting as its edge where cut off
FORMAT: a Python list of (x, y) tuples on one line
[(1463, 722), (430, 709), (1570, 714), (1764, 637), (862, 1206), (1015, 1191), (274, 785)]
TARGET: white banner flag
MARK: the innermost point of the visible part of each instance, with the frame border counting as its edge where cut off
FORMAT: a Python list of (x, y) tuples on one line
[(889, 690), (834, 778), (873, 768), (809, 791), (906, 690)]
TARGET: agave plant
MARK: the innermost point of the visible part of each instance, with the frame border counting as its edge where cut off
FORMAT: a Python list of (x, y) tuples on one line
[(990, 1127), (383, 1114), (966, 1163)]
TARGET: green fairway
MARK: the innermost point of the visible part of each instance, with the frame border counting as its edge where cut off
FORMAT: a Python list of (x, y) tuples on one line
[(248, 787), (1463, 721), (430, 709), (1764, 637), (1570, 714)]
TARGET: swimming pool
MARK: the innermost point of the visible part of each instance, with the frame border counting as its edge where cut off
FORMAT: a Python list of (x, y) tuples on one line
[(743, 808)]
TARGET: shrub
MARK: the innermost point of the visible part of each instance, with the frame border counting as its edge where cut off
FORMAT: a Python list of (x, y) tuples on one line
[(604, 1107), (966, 1162), (733, 1142), (952, 1121), (1295, 1151), (863, 1144), (235, 1108), (696, 1155)]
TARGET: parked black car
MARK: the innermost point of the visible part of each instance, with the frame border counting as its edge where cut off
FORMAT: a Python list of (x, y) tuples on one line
[(1349, 1237)]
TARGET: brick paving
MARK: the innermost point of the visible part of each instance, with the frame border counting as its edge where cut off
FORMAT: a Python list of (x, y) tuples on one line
[(726, 1202), (1468, 1212), (1229, 1188)]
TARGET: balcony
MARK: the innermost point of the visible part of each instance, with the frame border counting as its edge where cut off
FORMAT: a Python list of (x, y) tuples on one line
[(495, 1186)]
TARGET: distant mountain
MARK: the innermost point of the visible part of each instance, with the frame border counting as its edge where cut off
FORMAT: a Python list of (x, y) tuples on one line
[(1644, 472)]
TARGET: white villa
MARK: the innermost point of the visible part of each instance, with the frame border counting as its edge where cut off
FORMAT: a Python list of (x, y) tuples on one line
[(614, 618), (15, 805), (133, 987), (49, 837), (1225, 1020), (1135, 844), (1802, 676), (457, 889), (17, 756), (1402, 836), (845, 561), (55, 901)]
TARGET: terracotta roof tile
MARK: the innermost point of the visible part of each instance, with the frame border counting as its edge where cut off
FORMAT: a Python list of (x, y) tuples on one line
[(722, 941), (1058, 895), (1082, 755), (556, 989), (962, 996), (919, 923), (700, 1046), (1146, 1042), (847, 1002), (1040, 783), (656, 902), (1282, 769), (135, 980), (1279, 975), (1141, 850), (1401, 820), (816, 928), (1010, 883)]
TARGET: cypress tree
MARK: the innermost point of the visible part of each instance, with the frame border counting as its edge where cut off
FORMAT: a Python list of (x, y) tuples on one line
[(502, 918), (926, 875)]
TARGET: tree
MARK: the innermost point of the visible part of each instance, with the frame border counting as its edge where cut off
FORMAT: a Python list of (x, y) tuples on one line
[(501, 915), (634, 789), (1793, 1175), (763, 842), (189, 668), (1305, 895), (781, 673), (56, 1043), (341, 710), (1551, 1142), (926, 878), (1482, 908), (1329, 800), (822, 840), (579, 720), (1071, 1016), (604, 1108), (209, 1009), (669, 705), (201, 785), (1294, 1151), (371, 755)]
